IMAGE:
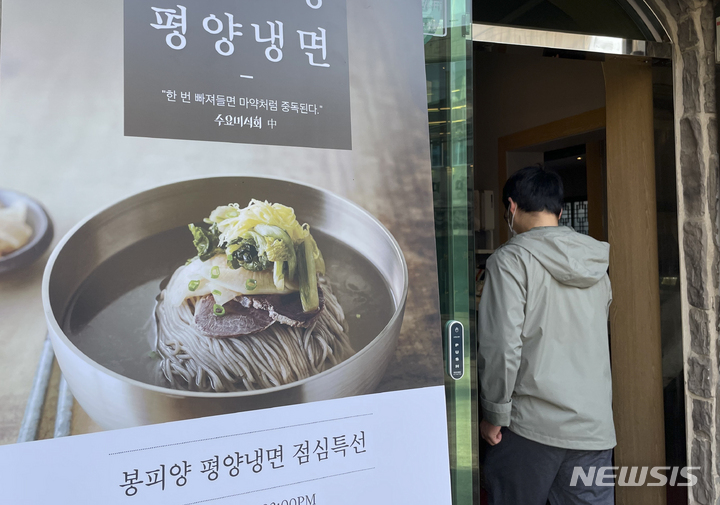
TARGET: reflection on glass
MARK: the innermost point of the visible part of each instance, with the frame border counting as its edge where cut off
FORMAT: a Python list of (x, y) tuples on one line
[(448, 58)]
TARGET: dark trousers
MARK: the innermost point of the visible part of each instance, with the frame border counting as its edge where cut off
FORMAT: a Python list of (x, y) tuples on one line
[(519, 471)]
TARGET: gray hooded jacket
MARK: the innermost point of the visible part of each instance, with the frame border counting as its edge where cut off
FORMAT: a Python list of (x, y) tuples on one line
[(544, 358)]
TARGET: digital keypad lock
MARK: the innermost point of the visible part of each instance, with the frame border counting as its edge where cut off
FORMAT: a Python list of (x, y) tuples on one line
[(456, 349)]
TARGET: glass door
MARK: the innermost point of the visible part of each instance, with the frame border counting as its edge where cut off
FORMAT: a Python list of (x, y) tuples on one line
[(448, 63)]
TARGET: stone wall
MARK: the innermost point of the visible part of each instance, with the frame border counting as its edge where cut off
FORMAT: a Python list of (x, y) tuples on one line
[(691, 26)]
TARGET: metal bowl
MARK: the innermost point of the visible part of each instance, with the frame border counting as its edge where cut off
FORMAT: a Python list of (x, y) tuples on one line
[(116, 401), (42, 235)]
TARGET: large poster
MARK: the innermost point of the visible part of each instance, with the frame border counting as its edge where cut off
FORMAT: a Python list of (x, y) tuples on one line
[(242, 292)]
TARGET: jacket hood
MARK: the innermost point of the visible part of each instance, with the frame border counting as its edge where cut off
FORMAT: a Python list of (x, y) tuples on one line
[(570, 257)]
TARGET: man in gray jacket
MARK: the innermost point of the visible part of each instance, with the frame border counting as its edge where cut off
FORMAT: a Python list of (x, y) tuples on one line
[(543, 358)]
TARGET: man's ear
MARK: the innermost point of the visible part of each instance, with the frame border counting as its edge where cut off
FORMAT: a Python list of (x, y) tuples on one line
[(560, 215), (512, 207)]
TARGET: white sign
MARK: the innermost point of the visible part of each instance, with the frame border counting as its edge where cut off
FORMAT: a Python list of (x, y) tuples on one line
[(345, 451)]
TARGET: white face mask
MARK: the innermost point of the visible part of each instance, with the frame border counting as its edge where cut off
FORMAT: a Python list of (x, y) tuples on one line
[(510, 225)]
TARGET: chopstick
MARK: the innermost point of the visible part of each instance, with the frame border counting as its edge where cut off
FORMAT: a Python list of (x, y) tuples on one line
[(34, 407), (36, 400), (63, 416)]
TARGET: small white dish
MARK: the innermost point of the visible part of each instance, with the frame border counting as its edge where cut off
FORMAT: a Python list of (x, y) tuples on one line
[(42, 235)]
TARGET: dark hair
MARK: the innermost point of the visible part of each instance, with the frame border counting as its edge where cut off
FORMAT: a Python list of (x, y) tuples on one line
[(534, 189)]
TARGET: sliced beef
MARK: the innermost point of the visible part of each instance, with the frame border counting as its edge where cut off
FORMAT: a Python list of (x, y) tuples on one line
[(285, 309), (236, 321)]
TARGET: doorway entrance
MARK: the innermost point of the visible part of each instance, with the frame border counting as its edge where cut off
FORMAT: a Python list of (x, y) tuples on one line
[(601, 121)]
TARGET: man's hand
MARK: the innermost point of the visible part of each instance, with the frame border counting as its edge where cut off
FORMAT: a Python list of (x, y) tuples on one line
[(490, 432)]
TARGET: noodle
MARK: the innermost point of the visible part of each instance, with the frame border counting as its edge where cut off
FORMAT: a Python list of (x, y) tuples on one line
[(278, 355)]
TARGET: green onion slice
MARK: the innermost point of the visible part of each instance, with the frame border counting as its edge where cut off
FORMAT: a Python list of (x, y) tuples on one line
[(218, 310), (193, 285), (250, 284), (215, 272), (216, 292)]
